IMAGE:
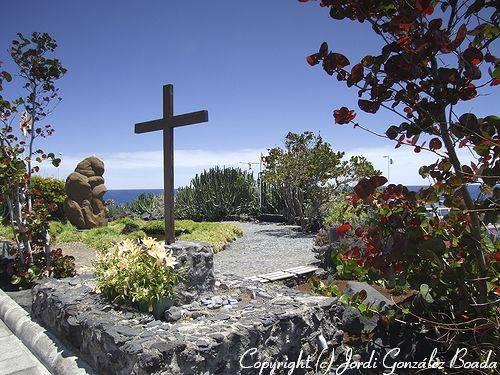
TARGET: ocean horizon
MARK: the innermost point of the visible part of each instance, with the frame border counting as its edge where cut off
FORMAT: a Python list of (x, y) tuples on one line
[(124, 196)]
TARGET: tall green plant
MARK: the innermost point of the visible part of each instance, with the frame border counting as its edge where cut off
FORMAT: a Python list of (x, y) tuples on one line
[(216, 194)]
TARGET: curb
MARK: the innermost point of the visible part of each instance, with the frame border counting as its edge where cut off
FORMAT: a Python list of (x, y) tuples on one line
[(48, 349)]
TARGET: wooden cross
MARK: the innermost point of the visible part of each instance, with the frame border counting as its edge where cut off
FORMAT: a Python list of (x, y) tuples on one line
[(167, 124)]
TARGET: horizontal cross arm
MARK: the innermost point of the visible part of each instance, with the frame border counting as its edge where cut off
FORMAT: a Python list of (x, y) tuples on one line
[(172, 122)]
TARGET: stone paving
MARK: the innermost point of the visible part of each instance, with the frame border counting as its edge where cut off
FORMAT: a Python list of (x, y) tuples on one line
[(15, 358), (264, 248)]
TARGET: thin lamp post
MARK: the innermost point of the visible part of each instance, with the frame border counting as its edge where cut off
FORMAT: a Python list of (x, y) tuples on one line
[(389, 160)]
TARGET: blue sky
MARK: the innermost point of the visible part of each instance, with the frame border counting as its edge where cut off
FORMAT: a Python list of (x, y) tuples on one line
[(243, 61)]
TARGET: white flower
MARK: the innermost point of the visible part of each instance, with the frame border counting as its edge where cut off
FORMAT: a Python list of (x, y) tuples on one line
[(149, 242), (126, 246), (25, 123), (170, 260)]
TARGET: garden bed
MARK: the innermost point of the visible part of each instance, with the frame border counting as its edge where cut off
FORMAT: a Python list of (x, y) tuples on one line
[(203, 336)]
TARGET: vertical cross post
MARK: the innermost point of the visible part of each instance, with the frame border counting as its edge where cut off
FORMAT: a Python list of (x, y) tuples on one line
[(168, 165), (167, 125)]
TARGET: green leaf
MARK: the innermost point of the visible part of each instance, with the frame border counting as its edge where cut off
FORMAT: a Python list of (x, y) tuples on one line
[(495, 73), (425, 293), (344, 298)]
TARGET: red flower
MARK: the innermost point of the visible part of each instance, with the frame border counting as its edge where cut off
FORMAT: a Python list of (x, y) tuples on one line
[(497, 256), (343, 229), (343, 115), (23, 274)]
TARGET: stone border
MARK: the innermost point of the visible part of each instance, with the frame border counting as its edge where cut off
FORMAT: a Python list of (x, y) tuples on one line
[(49, 350)]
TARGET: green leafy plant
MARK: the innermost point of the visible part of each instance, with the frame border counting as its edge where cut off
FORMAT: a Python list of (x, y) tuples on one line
[(147, 206), (140, 272), (308, 171), (52, 192), (216, 194), (357, 300)]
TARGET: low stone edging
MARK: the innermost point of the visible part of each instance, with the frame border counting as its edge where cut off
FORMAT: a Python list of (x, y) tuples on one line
[(49, 350), (201, 339)]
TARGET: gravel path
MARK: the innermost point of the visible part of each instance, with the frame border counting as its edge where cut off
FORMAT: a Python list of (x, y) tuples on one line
[(264, 248)]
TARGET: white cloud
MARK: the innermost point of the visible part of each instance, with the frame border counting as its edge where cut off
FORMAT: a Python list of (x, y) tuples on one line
[(406, 163), (143, 169)]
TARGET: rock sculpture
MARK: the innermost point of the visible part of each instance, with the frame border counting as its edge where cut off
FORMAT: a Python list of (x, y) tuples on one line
[(84, 207)]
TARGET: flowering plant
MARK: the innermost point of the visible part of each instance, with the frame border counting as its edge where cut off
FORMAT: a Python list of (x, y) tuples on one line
[(140, 272)]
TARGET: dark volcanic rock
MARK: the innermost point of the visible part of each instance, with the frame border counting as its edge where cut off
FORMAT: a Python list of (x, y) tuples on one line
[(120, 341)]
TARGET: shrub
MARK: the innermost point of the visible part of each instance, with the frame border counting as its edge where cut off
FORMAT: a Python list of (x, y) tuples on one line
[(272, 199), (60, 266), (116, 210), (308, 170), (136, 272), (147, 206), (216, 194), (51, 190)]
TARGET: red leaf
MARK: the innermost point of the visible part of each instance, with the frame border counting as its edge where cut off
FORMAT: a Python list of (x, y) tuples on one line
[(365, 186), (368, 105), (323, 50), (495, 81), (359, 231), (435, 24), (473, 55), (424, 6), (341, 231), (403, 41), (356, 75), (468, 92), (343, 115), (435, 144), (312, 59), (335, 61), (459, 38)]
